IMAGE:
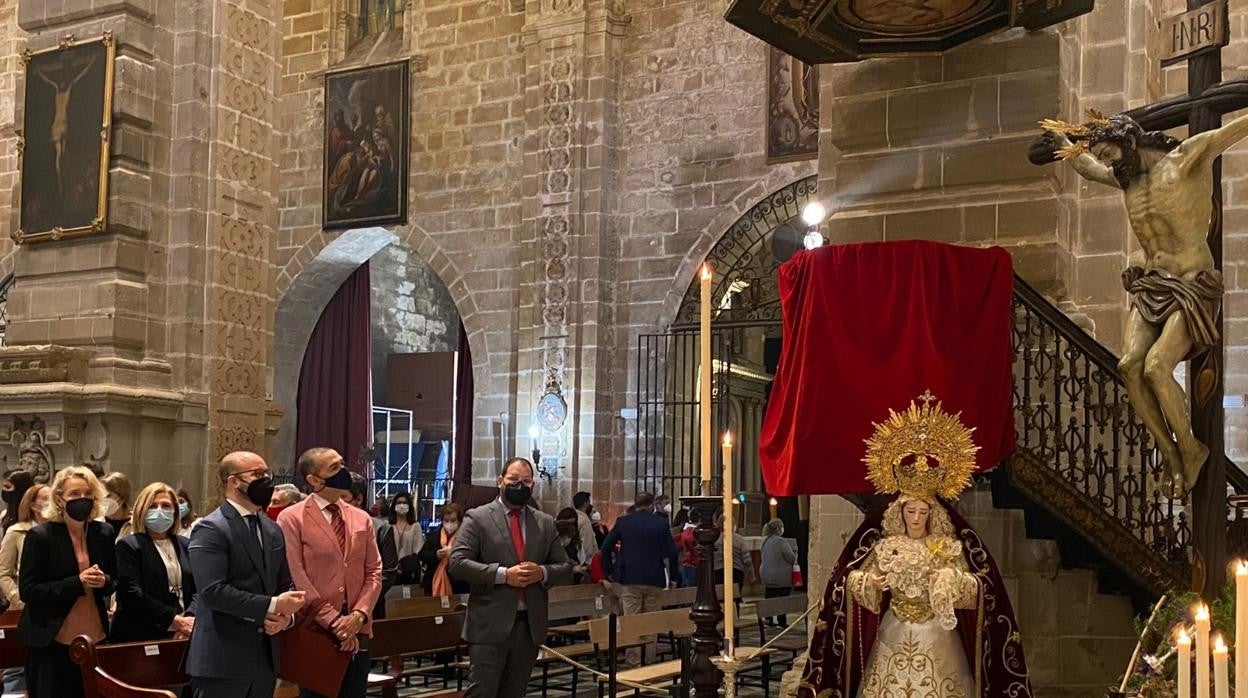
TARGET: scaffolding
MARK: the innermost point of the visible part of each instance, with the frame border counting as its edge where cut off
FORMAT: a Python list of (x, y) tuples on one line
[(392, 475)]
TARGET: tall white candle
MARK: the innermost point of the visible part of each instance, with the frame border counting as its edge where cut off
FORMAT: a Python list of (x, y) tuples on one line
[(729, 607), (1184, 645), (1202, 651), (1221, 687), (1241, 629), (704, 375)]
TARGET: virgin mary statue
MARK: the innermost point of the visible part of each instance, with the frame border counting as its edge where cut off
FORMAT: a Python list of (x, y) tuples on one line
[(915, 607)]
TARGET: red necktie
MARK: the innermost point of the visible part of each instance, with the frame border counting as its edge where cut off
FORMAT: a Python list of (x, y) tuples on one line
[(340, 526), (517, 539)]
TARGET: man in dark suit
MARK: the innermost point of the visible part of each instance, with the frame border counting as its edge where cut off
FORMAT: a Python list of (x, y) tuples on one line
[(385, 543), (510, 555), (246, 597), (647, 562)]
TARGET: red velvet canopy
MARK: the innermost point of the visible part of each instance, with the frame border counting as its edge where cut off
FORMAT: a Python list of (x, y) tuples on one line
[(872, 326)]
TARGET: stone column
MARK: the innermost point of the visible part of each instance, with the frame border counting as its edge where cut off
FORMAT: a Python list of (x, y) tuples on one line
[(147, 333), (568, 341)]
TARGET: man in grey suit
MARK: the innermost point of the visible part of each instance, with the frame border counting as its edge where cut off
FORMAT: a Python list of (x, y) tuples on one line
[(510, 555), (246, 596)]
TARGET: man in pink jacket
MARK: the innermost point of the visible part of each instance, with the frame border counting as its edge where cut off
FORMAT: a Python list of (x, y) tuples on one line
[(333, 556)]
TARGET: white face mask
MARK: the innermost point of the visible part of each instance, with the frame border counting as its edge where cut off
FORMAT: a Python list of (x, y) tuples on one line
[(667, 509), (595, 516), (401, 509), (451, 526), (110, 506)]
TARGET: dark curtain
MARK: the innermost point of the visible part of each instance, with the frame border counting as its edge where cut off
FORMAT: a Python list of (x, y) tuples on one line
[(462, 468), (870, 327), (335, 383)]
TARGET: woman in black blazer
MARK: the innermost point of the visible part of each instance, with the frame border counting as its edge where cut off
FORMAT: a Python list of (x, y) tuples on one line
[(68, 567), (155, 589)]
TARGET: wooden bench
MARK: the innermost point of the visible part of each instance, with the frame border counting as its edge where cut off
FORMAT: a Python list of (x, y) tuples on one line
[(780, 606), (578, 601), (424, 605), (131, 669), (395, 639), (405, 591), (635, 628)]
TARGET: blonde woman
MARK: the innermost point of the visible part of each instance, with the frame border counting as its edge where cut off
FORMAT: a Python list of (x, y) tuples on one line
[(155, 589), (29, 514), (68, 569)]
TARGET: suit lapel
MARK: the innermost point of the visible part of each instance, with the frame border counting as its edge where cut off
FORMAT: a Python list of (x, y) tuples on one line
[(499, 515), (315, 516), (531, 534), (241, 531)]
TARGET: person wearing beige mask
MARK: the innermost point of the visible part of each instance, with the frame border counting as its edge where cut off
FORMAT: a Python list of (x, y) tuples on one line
[(116, 506)]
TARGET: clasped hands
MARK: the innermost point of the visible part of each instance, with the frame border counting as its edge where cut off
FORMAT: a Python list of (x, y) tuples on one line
[(288, 602), (347, 629), (93, 577), (524, 574)]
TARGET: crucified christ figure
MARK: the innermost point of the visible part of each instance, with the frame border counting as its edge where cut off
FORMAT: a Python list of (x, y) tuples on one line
[(60, 115), (1176, 293)]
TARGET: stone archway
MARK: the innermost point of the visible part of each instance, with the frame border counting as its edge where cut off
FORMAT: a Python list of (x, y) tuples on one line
[(302, 301)]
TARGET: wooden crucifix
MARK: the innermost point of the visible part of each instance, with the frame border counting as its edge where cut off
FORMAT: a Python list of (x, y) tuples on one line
[(1175, 280), (1199, 36)]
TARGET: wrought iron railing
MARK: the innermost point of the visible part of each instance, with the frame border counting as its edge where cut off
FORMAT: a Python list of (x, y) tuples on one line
[(6, 283), (1072, 414)]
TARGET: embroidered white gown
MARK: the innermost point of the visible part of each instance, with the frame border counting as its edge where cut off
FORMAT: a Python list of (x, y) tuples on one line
[(917, 651)]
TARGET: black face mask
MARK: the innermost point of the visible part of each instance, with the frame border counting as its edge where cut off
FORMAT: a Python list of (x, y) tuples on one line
[(517, 494), (79, 509), (9, 497), (260, 491), (340, 480)]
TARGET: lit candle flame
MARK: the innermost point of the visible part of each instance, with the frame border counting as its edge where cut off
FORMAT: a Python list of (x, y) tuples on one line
[(1218, 645), (728, 438), (773, 502), (1241, 568), (1184, 638), (1202, 612), (706, 271)]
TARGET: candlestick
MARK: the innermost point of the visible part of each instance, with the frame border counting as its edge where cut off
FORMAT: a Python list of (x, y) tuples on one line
[(1241, 629), (772, 504), (1202, 651), (729, 607), (1220, 684), (1185, 664), (704, 373)]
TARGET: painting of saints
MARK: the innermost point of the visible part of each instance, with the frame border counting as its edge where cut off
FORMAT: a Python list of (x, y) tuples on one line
[(366, 146), (67, 116)]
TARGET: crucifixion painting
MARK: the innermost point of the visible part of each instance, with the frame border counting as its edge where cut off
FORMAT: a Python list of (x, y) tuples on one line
[(66, 121)]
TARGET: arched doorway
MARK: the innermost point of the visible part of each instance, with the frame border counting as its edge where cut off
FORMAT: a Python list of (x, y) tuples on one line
[(746, 339), (417, 356)]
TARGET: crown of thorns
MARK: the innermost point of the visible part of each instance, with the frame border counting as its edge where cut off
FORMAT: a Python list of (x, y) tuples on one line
[(1097, 128)]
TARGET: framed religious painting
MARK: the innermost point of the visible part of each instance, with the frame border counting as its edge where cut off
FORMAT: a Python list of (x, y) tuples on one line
[(67, 114), (365, 180), (792, 108)]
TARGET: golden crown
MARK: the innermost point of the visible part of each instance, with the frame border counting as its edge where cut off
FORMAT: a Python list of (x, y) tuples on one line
[(921, 452)]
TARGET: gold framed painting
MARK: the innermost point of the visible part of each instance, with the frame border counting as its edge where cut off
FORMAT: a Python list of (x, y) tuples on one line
[(792, 108), (67, 115)]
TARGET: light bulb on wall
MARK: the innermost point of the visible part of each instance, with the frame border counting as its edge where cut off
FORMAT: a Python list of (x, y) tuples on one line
[(813, 213), (812, 239), (534, 432)]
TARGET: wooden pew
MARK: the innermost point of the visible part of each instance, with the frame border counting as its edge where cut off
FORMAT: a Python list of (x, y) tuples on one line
[(12, 649), (424, 605), (130, 670), (397, 638)]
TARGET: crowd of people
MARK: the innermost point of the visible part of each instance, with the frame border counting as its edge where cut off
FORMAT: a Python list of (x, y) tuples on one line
[(83, 555)]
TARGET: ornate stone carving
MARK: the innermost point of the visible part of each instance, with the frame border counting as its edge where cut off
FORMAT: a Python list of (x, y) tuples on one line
[(558, 95), (42, 364)]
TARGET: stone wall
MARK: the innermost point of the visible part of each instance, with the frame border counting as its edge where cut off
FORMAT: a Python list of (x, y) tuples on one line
[(411, 310)]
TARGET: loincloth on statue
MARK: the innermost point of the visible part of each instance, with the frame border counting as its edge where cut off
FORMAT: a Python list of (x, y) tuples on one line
[(1157, 296)]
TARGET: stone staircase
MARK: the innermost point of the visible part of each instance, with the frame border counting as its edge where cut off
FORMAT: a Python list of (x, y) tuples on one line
[(1077, 639)]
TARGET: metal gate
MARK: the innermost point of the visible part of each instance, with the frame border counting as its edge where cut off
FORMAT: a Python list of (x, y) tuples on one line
[(668, 433)]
